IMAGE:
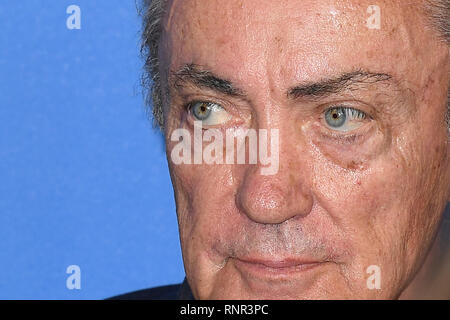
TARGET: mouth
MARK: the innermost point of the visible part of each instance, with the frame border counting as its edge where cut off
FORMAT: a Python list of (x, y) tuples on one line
[(276, 268)]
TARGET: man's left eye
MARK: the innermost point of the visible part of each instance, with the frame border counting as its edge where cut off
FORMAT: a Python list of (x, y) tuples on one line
[(209, 113), (344, 119)]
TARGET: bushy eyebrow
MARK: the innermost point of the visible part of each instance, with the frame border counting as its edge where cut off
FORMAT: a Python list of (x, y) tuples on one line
[(196, 75), (192, 74), (347, 81)]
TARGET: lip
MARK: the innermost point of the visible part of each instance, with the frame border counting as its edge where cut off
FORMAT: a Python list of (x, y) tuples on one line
[(276, 268)]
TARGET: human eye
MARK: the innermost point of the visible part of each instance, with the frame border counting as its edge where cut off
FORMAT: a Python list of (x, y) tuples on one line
[(344, 119), (209, 113)]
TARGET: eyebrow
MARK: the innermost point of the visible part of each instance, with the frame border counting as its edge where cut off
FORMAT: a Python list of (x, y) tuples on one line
[(196, 75), (347, 81)]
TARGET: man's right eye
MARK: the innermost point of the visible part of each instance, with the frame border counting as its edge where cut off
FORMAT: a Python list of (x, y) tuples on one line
[(211, 114)]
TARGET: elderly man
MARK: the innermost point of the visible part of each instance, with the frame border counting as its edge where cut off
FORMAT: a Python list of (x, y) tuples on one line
[(352, 99)]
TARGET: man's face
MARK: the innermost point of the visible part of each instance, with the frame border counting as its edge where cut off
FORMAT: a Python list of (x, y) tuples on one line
[(363, 168)]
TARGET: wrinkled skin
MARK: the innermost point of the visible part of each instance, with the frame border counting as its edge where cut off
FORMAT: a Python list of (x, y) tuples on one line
[(341, 202)]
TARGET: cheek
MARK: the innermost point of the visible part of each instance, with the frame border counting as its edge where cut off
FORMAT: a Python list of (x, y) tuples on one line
[(355, 197), (371, 210), (352, 181), (368, 203), (205, 199), (207, 221), (422, 156), (204, 192)]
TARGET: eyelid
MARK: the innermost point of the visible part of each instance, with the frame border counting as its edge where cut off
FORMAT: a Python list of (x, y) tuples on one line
[(353, 104), (236, 106)]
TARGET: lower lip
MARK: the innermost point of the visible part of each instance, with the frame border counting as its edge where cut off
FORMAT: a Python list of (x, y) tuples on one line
[(275, 269)]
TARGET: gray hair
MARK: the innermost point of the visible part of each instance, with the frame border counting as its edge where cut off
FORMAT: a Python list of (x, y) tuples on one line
[(153, 13)]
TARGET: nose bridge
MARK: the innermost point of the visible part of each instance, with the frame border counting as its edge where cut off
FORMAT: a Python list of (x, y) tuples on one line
[(275, 198)]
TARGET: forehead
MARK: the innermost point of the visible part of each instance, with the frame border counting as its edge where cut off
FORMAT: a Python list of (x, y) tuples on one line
[(299, 40)]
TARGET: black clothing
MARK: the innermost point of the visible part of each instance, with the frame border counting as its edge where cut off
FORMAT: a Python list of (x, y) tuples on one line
[(180, 291)]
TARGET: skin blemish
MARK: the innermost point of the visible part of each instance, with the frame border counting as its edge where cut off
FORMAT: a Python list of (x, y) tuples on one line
[(353, 165)]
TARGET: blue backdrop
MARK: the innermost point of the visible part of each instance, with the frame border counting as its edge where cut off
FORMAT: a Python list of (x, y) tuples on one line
[(83, 174)]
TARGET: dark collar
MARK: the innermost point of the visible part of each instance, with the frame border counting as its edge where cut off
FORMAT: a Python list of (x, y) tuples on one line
[(185, 292)]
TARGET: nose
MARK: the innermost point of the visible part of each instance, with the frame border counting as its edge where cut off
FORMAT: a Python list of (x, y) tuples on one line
[(273, 199)]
